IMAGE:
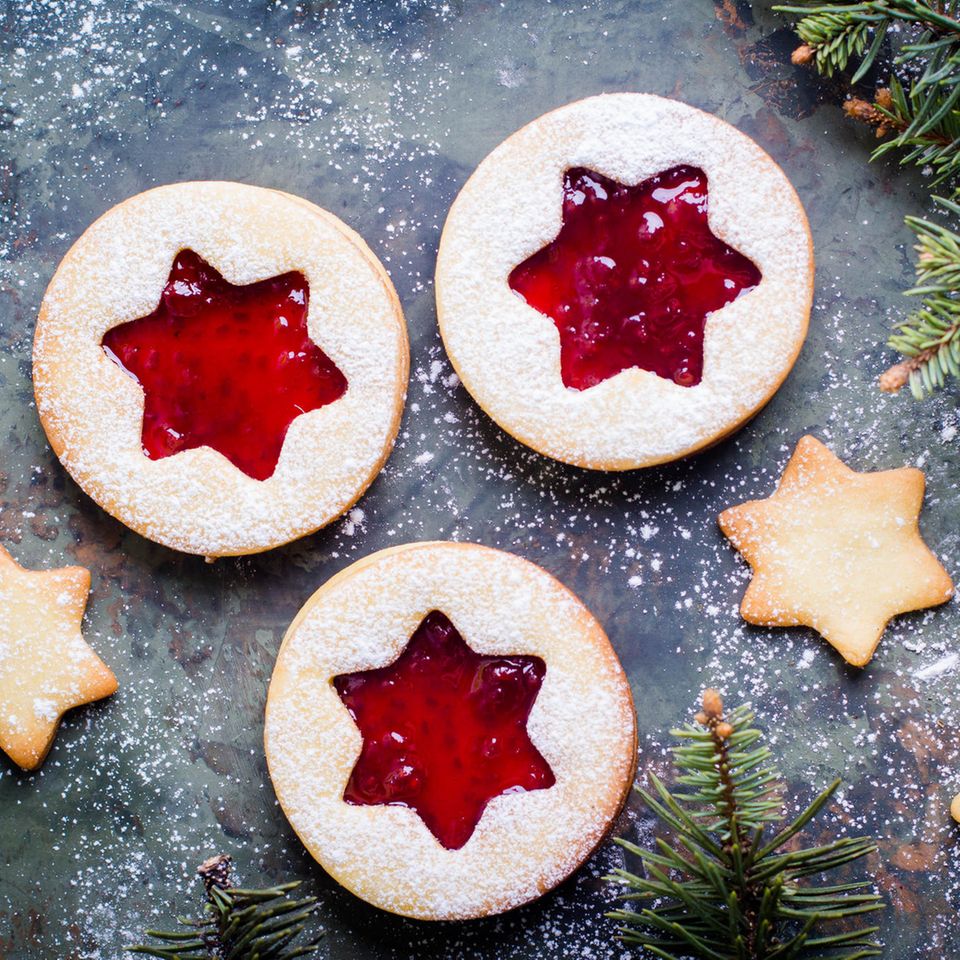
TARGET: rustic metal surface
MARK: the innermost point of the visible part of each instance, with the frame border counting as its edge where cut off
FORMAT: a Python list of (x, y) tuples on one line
[(379, 112)]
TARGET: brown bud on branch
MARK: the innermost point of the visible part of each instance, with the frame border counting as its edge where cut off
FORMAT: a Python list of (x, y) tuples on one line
[(895, 378), (802, 55), (215, 872), (712, 704)]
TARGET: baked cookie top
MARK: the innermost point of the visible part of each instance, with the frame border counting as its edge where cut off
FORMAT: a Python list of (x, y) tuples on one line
[(46, 667), (222, 367), (836, 550), (357, 712), (624, 281)]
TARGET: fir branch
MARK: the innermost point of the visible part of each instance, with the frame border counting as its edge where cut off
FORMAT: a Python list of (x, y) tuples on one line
[(238, 924), (925, 119), (728, 887), (929, 338), (838, 32), (936, 148)]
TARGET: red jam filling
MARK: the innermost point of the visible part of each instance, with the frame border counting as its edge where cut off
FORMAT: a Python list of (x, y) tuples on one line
[(632, 276), (444, 730), (224, 366)]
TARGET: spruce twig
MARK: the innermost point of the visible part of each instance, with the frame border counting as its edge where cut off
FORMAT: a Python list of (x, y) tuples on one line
[(731, 886), (924, 117), (929, 338), (238, 924), (919, 113)]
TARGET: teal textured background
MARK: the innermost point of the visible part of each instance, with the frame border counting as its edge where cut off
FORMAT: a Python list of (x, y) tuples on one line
[(379, 112)]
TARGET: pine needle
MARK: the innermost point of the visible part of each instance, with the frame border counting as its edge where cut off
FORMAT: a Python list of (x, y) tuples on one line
[(919, 115), (238, 924), (732, 886)]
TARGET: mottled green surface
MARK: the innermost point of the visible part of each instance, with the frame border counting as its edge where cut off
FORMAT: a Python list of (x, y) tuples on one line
[(379, 112)]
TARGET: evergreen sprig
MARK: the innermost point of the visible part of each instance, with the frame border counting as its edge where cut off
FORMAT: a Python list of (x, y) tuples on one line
[(238, 924), (733, 886), (924, 117), (836, 33), (932, 145), (920, 113), (930, 337)]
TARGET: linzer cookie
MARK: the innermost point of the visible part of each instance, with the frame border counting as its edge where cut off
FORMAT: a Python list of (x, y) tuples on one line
[(836, 550), (222, 367), (624, 281), (448, 730)]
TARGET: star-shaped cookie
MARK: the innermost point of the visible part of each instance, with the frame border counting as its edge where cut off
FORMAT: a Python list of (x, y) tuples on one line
[(836, 550), (46, 667)]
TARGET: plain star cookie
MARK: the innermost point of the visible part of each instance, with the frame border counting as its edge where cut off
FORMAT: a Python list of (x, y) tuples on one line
[(222, 367), (624, 281), (836, 550), (46, 667), (448, 730)]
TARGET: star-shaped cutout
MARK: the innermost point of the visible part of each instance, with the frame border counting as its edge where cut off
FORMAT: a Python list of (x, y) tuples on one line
[(632, 276), (836, 550), (224, 366), (46, 667), (444, 730)]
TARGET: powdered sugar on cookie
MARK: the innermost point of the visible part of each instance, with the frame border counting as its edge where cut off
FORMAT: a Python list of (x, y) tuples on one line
[(92, 411), (582, 723), (46, 667), (508, 354)]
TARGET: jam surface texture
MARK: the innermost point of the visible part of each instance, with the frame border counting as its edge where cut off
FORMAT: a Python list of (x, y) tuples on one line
[(444, 730), (224, 366), (632, 276)]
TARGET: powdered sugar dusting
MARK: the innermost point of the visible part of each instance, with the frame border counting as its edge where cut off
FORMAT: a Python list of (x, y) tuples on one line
[(406, 99), (92, 411), (581, 722), (508, 354)]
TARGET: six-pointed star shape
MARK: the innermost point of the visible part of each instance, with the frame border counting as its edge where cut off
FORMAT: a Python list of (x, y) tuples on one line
[(225, 366), (632, 276), (444, 730), (46, 667), (836, 550)]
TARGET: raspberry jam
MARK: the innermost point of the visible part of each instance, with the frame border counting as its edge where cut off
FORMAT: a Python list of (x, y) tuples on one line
[(223, 366), (632, 276), (444, 730)]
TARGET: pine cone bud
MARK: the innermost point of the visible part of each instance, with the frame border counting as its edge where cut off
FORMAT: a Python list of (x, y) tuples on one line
[(724, 730), (897, 377), (884, 98), (861, 110), (802, 55), (955, 808), (701, 718), (712, 704), (215, 872)]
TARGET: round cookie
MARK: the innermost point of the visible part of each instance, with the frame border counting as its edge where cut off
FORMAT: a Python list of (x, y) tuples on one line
[(508, 354), (92, 408), (582, 724)]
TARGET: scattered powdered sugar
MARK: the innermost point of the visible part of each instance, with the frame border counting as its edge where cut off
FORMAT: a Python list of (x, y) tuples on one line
[(379, 112)]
